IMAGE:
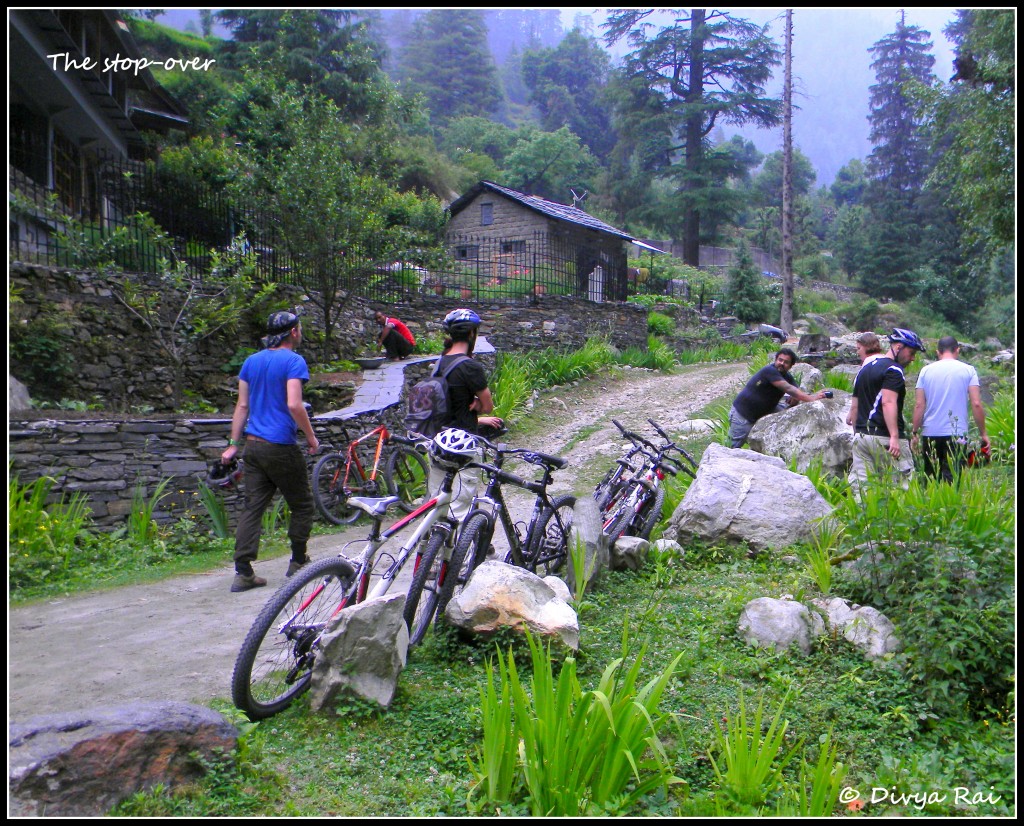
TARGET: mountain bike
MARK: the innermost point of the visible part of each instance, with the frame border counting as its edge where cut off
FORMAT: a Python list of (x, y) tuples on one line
[(637, 506), (275, 663), (540, 546), (338, 476)]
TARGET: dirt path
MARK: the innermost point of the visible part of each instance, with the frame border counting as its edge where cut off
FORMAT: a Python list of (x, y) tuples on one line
[(177, 639)]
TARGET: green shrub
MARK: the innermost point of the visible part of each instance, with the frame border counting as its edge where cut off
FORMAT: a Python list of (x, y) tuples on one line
[(943, 572), (42, 538), (660, 324)]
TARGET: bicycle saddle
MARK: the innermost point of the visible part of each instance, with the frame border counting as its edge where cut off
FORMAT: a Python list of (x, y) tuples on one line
[(375, 506)]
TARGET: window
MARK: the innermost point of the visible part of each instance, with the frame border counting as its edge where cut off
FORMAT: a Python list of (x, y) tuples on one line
[(513, 246), (467, 253), (486, 214)]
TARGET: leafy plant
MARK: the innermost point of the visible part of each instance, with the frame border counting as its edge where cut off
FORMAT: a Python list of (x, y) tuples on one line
[(42, 537), (660, 324), (751, 764), (579, 752), (1001, 424), (825, 782), (216, 511), (140, 526)]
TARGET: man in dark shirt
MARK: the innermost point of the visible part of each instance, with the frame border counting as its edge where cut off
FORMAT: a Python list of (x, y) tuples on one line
[(879, 436), (763, 395)]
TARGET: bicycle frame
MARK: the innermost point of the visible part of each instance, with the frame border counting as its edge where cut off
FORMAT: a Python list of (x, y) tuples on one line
[(492, 504), (352, 456), (433, 512)]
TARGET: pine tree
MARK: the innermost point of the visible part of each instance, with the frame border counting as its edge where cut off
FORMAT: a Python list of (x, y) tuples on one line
[(745, 297), (447, 61), (679, 82), (899, 164)]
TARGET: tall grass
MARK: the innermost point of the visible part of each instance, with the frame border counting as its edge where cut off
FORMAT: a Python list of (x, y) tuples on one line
[(838, 381), (42, 538), (750, 764), (216, 511), (140, 526), (572, 752), (1001, 424)]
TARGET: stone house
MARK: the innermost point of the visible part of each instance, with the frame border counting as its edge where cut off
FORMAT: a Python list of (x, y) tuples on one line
[(498, 235)]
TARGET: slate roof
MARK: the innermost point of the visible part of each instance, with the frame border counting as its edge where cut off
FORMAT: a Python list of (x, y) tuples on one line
[(559, 212)]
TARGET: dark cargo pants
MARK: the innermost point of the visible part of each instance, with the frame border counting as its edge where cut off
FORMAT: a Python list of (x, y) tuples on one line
[(270, 468)]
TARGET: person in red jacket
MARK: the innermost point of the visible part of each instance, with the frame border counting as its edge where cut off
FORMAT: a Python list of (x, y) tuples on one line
[(395, 337)]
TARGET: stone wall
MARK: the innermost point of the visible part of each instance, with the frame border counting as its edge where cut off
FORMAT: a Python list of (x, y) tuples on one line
[(106, 460), (99, 354)]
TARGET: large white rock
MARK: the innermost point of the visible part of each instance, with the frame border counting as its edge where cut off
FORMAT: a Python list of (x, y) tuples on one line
[(808, 432), (865, 627), (779, 624), (499, 595), (742, 496), (363, 651)]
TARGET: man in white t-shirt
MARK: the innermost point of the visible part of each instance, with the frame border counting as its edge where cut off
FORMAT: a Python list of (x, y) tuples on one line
[(945, 388)]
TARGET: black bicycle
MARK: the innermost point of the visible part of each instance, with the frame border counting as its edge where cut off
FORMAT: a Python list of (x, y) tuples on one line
[(540, 546)]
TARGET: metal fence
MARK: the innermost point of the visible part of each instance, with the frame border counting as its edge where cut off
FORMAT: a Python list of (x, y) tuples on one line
[(198, 218)]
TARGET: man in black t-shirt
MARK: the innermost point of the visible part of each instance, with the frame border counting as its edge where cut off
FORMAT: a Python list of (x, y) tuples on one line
[(469, 400), (763, 395), (879, 436)]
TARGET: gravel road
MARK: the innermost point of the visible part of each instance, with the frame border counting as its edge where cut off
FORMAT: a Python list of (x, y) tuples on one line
[(177, 639)]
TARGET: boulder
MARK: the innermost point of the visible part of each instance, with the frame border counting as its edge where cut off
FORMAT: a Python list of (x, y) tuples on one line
[(832, 326), (499, 595), (808, 377), (628, 553), (362, 652), (850, 370), (808, 432), (586, 530), (82, 763), (865, 627), (814, 343), (742, 496), (779, 624), (668, 548), (17, 396)]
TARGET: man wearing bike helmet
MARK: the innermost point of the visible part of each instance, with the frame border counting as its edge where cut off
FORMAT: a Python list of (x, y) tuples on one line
[(469, 399), (879, 440), (271, 414)]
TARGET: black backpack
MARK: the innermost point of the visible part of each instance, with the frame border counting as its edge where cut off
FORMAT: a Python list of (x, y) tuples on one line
[(428, 406)]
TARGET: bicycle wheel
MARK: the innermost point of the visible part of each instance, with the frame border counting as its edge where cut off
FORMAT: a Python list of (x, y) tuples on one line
[(329, 493), (622, 520), (652, 515), (470, 551), (549, 542), (406, 477), (275, 663), (421, 603)]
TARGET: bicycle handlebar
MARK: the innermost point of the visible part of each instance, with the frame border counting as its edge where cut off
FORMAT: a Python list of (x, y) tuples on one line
[(510, 478)]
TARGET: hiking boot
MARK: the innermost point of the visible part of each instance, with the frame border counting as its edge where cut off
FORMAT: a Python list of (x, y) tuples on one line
[(294, 566), (246, 582)]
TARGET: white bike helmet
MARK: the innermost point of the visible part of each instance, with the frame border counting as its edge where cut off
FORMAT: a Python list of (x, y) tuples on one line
[(452, 448)]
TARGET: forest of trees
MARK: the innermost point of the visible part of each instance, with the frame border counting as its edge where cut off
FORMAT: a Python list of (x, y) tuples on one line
[(424, 103)]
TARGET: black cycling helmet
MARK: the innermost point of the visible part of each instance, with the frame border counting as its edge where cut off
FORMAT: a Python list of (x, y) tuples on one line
[(909, 338), (461, 321), (224, 476)]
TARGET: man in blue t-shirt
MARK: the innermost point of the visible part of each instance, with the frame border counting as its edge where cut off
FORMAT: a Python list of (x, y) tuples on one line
[(763, 395), (271, 413)]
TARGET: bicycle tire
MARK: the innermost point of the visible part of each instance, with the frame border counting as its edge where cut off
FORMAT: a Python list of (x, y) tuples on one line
[(405, 475), (275, 666), (470, 550), (652, 516), (329, 494), (421, 602), (549, 539), (621, 521)]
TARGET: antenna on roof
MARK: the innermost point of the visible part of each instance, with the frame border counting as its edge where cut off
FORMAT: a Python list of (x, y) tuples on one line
[(578, 199)]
